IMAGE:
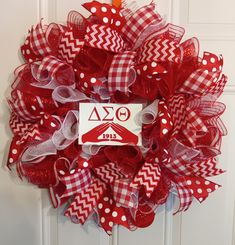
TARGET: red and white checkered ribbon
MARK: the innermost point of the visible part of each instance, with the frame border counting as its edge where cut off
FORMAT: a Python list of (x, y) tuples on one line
[(46, 68), (169, 31), (124, 194), (184, 194), (193, 124), (218, 86), (38, 40), (19, 107), (179, 166), (121, 72), (138, 22), (198, 82), (76, 181)]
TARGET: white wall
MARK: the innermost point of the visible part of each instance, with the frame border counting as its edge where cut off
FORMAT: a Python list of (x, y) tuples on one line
[(25, 214)]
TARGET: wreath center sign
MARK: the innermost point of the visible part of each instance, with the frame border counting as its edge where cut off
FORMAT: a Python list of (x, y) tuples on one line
[(109, 124), (116, 112)]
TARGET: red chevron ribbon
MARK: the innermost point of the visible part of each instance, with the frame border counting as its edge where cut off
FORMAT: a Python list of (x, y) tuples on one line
[(176, 105), (108, 172), (159, 50), (148, 176), (33, 133), (206, 168), (20, 141), (18, 126), (85, 201), (103, 37), (69, 47)]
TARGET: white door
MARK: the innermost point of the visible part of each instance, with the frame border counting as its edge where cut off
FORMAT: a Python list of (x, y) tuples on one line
[(26, 217)]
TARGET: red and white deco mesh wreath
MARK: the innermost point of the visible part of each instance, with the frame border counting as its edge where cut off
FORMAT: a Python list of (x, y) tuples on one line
[(114, 113)]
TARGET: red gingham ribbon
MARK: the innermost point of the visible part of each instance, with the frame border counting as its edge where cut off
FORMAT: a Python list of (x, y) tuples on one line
[(138, 22), (121, 73), (193, 124), (124, 194), (179, 166), (19, 107), (50, 65), (218, 86), (76, 181), (190, 134), (198, 82), (184, 194), (169, 31), (38, 40)]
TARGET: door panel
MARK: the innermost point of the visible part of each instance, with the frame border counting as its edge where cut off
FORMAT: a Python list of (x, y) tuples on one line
[(20, 204)]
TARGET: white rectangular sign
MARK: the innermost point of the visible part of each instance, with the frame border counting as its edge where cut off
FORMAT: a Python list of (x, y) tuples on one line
[(109, 124)]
